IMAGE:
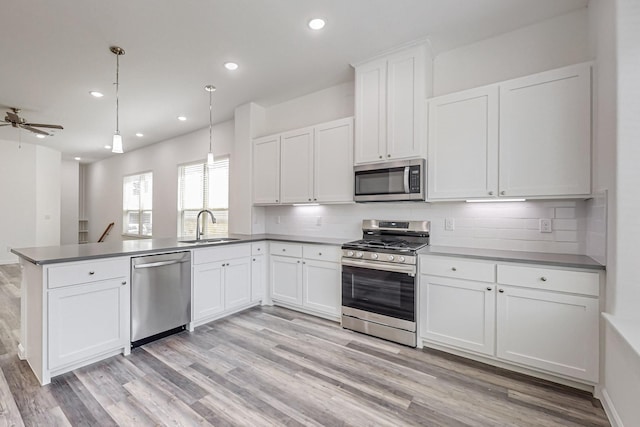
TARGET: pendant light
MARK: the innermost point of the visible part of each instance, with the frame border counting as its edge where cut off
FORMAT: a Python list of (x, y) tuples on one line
[(116, 146), (210, 89)]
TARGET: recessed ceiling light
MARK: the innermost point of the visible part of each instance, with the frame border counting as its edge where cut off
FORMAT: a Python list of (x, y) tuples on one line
[(96, 94), (316, 24), (39, 135), (231, 66), (107, 147), (182, 118), (139, 135), (77, 158)]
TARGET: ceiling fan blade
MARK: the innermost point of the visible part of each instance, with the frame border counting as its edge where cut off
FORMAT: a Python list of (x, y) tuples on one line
[(40, 125), (34, 130)]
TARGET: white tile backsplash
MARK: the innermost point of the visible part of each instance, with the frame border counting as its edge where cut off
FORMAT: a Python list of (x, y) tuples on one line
[(507, 226)]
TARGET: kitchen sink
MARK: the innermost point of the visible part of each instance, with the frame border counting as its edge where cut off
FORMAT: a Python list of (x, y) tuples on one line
[(209, 241)]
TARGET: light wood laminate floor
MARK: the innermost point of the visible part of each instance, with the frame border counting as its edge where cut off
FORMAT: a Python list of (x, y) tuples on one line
[(272, 366)]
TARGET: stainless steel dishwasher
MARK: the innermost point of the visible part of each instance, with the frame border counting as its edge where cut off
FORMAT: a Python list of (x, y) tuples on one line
[(160, 295)]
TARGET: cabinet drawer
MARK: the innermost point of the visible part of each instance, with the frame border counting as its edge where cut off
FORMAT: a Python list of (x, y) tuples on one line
[(458, 268), (204, 255), (575, 282), (285, 249), (322, 252), (90, 271), (259, 248)]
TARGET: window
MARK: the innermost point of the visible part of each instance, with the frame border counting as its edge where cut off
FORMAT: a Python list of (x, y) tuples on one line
[(137, 195), (202, 187)]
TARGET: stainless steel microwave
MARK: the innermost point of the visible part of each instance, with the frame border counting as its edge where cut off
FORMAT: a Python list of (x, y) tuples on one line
[(402, 180)]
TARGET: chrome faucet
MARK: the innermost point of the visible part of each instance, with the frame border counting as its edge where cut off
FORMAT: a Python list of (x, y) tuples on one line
[(213, 221)]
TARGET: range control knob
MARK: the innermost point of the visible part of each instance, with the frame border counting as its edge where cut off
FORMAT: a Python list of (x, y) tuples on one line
[(374, 256), (358, 254), (349, 253), (401, 259), (390, 257)]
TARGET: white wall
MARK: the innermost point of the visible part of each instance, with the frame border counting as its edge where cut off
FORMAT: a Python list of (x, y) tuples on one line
[(553, 43), (69, 201), (30, 194), (104, 179)]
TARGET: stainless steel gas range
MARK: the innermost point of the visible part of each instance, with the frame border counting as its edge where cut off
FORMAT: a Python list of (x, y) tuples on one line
[(379, 279)]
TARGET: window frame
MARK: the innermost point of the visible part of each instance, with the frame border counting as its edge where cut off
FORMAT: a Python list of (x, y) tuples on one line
[(220, 213), (141, 212)]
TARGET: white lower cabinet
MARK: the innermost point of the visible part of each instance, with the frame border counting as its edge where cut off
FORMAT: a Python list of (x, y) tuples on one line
[(86, 320), (458, 312), (222, 281), (208, 299), (319, 286), (536, 316), (306, 277)]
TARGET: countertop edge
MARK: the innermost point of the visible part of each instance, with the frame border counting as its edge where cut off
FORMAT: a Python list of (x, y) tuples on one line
[(570, 261)]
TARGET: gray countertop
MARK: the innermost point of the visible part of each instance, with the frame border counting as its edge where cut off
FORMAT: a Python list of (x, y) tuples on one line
[(560, 260), (67, 253)]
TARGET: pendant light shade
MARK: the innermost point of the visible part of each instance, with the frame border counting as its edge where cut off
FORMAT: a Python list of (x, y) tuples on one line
[(210, 89), (116, 146)]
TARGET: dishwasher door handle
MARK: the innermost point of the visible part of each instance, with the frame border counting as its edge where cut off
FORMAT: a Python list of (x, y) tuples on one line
[(160, 263)]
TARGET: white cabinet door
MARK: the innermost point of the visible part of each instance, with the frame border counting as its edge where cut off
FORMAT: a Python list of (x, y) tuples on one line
[(286, 279), (266, 170), (333, 161), (208, 280), (463, 145), (545, 133), (86, 320), (296, 165), (258, 277), (237, 283), (321, 286), (371, 111), (405, 104), (458, 313), (550, 331)]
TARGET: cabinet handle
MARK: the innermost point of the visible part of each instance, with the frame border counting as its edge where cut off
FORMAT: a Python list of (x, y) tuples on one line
[(380, 156), (254, 259), (319, 253), (489, 288), (284, 250), (544, 279), (502, 193), (388, 155), (309, 199), (298, 262), (91, 273), (124, 283), (304, 262), (276, 200), (501, 291), (491, 193), (454, 269), (315, 200)]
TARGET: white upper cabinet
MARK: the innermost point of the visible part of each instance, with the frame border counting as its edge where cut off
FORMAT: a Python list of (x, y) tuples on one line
[(333, 162), (313, 164), (463, 144), (389, 106), (545, 133), (266, 170), (296, 173), (527, 137)]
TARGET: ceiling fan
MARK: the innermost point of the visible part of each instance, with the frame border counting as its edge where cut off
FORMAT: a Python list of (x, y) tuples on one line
[(12, 118)]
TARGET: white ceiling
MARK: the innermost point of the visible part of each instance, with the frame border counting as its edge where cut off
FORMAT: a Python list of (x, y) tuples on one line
[(52, 53)]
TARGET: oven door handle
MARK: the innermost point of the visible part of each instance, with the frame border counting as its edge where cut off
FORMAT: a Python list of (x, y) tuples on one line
[(394, 268)]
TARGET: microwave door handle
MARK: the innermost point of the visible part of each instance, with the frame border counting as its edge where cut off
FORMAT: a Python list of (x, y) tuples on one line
[(406, 180)]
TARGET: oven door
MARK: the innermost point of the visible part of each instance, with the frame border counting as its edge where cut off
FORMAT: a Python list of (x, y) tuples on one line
[(374, 290)]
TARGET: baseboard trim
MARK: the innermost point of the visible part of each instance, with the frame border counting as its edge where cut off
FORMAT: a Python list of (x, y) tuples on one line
[(610, 410)]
